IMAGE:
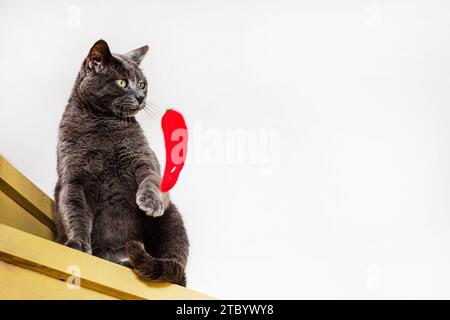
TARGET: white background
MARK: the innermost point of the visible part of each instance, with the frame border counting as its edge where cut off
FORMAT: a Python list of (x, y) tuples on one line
[(356, 202)]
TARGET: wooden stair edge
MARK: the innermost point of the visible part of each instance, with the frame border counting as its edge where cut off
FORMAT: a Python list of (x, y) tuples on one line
[(26, 194), (57, 261)]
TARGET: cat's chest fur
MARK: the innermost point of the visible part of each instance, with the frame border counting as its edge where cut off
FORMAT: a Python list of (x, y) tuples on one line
[(107, 147)]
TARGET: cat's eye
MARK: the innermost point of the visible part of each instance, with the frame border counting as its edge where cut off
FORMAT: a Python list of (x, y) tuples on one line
[(122, 83), (142, 84)]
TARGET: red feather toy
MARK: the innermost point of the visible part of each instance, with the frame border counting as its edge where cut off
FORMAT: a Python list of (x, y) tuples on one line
[(175, 139)]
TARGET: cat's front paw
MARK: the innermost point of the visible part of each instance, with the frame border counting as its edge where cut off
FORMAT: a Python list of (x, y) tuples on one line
[(79, 245), (151, 202)]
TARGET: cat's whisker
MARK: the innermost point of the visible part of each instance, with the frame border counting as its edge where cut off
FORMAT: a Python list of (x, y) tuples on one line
[(156, 109), (151, 112), (148, 114)]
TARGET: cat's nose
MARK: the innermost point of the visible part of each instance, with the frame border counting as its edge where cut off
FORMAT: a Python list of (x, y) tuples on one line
[(140, 99)]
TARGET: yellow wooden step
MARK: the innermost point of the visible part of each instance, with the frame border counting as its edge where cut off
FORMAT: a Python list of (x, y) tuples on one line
[(20, 284), (27, 195), (33, 266), (57, 261), (15, 216)]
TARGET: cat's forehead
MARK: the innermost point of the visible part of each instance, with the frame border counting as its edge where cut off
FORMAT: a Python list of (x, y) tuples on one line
[(127, 67)]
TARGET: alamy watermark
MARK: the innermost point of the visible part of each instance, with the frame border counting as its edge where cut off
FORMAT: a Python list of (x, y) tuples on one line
[(74, 280), (373, 280), (258, 147), (374, 18), (73, 21)]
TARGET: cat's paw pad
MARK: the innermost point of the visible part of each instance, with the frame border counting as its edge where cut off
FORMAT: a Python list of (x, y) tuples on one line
[(79, 245), (150, 202)]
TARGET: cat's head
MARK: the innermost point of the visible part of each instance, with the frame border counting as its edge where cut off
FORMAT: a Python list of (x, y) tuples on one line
[(113, 83)]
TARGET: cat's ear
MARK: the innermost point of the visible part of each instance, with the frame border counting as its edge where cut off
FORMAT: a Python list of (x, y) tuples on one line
[(99, 56), (137, 54)]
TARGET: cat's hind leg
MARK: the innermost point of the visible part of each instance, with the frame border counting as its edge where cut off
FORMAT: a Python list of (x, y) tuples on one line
[(165, 255)]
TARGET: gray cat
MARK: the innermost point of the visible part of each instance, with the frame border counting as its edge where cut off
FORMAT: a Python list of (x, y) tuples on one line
[(107, 198)]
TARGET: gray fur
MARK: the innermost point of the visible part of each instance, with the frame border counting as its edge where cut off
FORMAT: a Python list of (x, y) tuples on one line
[(107, 197)]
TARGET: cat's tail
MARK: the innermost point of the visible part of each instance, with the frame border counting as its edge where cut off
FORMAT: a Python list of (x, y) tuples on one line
[(161, 269)]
